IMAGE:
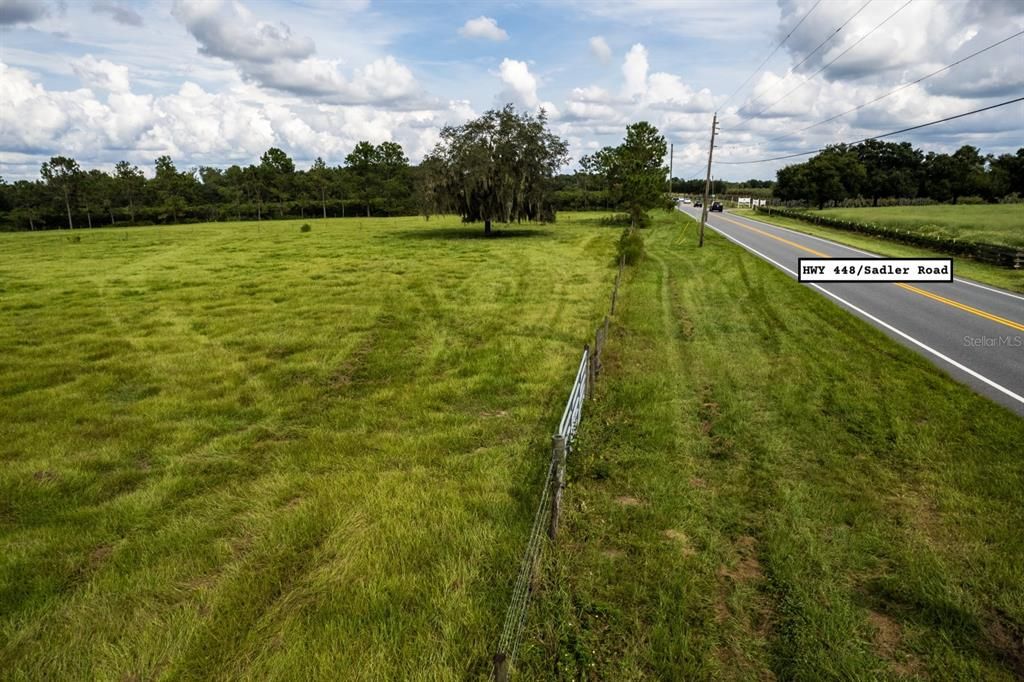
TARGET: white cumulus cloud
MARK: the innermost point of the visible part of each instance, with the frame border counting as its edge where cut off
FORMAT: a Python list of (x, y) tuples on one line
[(272, 56), (520, 84), (198, 126), (483, 27), (229, 30), (634, 70), (599, 48), (99, 73)]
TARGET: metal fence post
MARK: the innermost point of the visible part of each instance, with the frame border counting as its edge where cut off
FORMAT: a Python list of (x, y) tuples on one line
[(557, 482)]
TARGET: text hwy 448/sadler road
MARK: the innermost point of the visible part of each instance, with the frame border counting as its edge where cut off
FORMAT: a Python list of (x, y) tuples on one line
[(875, 270)]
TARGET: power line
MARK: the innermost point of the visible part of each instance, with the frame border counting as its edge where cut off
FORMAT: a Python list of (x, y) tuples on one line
[(771, 54), (878, 137), (819, 46), (689, 168), (840, 56), (830, 37), (894, 91)]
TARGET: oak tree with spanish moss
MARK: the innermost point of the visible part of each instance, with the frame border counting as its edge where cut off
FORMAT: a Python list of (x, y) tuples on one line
[(498, 167)]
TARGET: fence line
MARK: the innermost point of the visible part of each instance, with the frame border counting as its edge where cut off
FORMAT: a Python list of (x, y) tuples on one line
[(574, 406), (550, 504), (618, 276)]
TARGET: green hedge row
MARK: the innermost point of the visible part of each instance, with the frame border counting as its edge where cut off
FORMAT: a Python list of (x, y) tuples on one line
[(1004, 256)]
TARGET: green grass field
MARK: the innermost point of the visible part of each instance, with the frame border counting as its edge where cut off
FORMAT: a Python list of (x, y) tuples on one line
[(235, 451), (244, 452), (987, 223), (1007, 278), (768, 488)]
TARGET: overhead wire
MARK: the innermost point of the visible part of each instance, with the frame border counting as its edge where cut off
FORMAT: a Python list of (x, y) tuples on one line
[(895, 90), (837, 58), (771, 54), (829, 37), (878, 137)]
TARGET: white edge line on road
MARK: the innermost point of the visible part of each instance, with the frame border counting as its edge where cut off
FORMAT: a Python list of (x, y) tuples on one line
[(944, 358), (804, 234), (992, 289), (873, 255)]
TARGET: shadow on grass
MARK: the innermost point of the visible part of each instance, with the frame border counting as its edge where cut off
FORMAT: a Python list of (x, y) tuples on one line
[(472, 233)]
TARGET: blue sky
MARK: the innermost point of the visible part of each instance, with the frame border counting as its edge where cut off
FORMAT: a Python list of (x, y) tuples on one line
[(215, 82)]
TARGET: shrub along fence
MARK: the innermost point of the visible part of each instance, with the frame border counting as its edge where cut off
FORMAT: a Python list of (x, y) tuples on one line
[(995, 254), (550, 503)]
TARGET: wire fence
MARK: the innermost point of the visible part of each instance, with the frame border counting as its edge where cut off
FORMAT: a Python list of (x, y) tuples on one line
[(550, 503), (574, 406)]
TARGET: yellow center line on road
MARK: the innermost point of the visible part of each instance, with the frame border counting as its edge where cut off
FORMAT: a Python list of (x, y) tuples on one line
[(961, 306), (906, 287), (777, 238)]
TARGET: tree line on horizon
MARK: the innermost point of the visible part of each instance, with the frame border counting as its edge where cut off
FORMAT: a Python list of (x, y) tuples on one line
[(513, 156), (374, 180), (875, 170), (501, 167)]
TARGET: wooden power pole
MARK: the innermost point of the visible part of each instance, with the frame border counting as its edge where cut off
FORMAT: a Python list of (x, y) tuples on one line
[(671, 157), (707, 179)]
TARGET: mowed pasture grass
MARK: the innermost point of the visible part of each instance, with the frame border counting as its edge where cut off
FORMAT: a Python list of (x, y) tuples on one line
[(1006, 278), (766, 487), (240, 451), (986, 223)]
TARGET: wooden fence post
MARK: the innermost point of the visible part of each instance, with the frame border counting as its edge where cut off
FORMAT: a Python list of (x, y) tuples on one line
[(615, 289), (600, 339), (500, 667), (618, 278), (557, 482), (591, 367), (604, 340)]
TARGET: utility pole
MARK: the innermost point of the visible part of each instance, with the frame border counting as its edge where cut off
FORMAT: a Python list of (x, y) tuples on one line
[(671, 157), (707, 179)]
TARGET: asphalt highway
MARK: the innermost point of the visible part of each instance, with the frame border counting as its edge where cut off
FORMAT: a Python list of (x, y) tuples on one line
[(973, 332)]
